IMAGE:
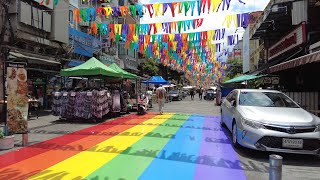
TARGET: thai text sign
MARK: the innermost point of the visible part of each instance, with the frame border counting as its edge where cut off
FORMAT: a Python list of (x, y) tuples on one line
[(293, 39)]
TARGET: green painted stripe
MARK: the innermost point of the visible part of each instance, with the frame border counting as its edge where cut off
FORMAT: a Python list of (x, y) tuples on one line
[(131, 163)]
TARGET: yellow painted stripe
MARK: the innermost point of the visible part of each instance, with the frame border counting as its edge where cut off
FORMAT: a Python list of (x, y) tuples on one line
[(86, 162)]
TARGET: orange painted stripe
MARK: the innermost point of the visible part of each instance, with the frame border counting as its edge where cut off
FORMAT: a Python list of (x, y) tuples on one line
[(38, 163)]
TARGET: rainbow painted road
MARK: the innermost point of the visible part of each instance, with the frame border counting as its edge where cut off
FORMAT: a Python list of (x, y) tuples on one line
[(169, 146)]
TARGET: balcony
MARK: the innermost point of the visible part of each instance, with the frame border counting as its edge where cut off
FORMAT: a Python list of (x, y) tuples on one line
[(275, 20)]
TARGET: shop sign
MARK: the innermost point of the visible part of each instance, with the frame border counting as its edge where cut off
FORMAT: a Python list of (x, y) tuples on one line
[(271, 80), (17, 99), (292, 40), (275, 80), (83, 43), (237, 53), (107, 59)]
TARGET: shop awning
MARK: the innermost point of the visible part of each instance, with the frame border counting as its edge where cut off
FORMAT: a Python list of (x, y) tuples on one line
[(32, 58), (92, 67), (243, 78), (309, 58), (156, 80), (124, 73)]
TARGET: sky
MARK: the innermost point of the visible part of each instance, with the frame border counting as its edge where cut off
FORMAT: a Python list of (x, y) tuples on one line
[(211, 20)]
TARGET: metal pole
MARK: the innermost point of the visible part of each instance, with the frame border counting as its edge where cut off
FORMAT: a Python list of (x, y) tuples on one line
[(275, 169), (25, 139)]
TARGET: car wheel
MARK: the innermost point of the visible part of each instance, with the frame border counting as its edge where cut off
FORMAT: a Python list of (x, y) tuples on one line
[(234, 135)]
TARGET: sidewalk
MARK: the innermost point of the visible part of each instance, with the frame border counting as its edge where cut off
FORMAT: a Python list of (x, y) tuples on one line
[(47, 127)]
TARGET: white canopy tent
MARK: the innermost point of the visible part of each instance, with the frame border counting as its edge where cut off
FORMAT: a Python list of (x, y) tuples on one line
[(187, 87), (168, 85)]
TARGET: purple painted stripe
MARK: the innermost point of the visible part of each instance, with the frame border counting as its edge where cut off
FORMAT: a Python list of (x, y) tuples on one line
[(217, 158)]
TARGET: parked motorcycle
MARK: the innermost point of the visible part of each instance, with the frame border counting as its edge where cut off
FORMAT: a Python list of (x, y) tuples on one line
[(143, 102), (149, 96)]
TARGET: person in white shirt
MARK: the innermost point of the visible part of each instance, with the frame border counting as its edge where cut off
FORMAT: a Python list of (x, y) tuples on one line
[(161, 97)]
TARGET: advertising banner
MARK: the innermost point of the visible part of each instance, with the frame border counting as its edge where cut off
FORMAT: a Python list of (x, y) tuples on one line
[(17, 99), (83, 43)]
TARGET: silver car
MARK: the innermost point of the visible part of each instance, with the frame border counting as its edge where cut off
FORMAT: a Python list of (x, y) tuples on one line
[(269, 120)]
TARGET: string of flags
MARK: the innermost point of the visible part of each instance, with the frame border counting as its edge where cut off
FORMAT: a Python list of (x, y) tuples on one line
[(194, 53), (123, 30), (152, 28), (156, 9)]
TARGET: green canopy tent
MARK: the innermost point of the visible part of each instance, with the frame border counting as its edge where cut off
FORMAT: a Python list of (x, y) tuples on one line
[(243, 78), (92, 67), (124, 73)]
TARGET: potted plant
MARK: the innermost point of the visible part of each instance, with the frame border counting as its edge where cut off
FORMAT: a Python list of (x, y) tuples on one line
[(6, 142)]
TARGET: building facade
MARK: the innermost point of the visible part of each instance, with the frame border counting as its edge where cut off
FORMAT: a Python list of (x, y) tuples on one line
[(290, 31), (38, 36), (251, 47), (48, 39)]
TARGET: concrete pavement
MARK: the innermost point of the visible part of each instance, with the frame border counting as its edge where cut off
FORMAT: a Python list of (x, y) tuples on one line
[(254, 163)]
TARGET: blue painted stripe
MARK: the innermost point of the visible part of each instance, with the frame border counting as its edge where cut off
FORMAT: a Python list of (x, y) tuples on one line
[(177, 160)]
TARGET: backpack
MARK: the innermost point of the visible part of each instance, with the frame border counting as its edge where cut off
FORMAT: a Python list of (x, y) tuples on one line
[(160, 93)]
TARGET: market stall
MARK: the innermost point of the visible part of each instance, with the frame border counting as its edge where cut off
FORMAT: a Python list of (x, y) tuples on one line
[(88, 101), (157, 80), (124, 93)]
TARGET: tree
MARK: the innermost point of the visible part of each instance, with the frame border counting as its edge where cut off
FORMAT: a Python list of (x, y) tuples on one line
[(149, 67), (175, 75), (234, 70)]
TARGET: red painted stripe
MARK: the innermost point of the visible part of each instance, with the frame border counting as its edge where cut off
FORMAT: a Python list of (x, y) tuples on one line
[(42, 147)]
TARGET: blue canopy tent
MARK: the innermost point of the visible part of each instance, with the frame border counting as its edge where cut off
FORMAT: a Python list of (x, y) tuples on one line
[(156, 80)]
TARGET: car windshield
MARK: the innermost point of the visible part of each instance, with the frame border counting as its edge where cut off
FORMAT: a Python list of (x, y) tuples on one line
[(173, 92), (265, 99), (210, 91)]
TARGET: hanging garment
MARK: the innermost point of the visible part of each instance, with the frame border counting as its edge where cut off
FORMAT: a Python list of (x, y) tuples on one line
[(96, 110), (79, 104), (70, 111), (87, 106), (116, 107), (123, 103), (64, 104), (56, 103)]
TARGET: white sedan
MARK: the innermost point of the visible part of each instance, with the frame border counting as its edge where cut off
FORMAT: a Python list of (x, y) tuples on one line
[(269, 120)]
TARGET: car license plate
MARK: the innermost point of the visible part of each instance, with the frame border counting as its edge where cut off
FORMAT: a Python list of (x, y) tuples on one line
[(292, 143)]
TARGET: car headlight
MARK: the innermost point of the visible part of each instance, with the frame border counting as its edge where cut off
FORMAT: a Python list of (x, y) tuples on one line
[(317, 128), (253, 124)]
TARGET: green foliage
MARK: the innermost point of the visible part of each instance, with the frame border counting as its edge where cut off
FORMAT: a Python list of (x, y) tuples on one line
[(234, 71), (256, 83), (227, 78), (170, 74), (175, 75), (149, 68), (1, 134)]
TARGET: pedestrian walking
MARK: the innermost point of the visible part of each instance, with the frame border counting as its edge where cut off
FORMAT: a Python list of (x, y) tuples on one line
[(192, 94), (200, 93), (161, 97)]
